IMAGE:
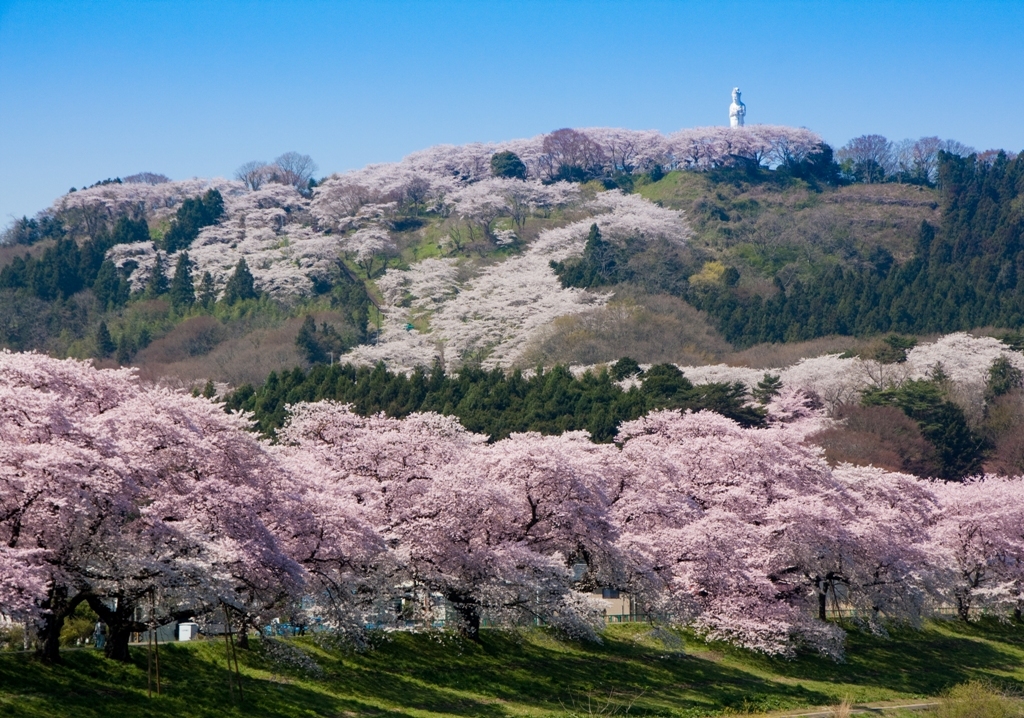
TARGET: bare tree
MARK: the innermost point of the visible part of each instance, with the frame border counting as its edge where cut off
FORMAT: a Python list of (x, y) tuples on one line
[(146, 178), (294, 169), (416, 191), (954, 147), (568, 152), (254, 174), (926, 158), (918, 160), (871, 155)]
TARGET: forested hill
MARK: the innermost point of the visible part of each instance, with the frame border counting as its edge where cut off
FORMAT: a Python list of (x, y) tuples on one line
[(967, 272), (578, 247)]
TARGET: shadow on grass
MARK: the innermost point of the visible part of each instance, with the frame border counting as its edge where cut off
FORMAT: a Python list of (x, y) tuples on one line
[(915, 662), (533, 673), (546, 674), (195, 682)]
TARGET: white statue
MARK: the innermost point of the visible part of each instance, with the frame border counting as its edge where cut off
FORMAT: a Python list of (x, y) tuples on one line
[(737, 109)]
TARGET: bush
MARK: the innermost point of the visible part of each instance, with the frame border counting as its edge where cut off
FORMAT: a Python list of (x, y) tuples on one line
[(12, 637), (79, 626), (508, 164), (976, 699)]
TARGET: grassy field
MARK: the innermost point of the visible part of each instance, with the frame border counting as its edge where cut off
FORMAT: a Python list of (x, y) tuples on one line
[(531, 674)]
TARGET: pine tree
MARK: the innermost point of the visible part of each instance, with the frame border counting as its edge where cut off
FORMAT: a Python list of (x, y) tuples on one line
[(207, 291), (111, 288), (241, 286), (182, 291), (104, 342), (157, 284), (769, 386), (306, 341), (124, 349)]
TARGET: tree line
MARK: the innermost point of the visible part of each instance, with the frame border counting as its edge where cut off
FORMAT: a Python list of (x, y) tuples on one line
[(121, 495), (496, 403)]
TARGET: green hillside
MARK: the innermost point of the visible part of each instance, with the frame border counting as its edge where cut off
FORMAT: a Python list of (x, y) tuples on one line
[(528, 674), (773, 258)]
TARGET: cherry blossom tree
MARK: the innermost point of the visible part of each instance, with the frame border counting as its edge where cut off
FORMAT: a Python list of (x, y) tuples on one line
[(735, 531), (504, 547), (480, 203), (367, 245), (978, 544), (492, 529), (22, 581), (386, 467), (120, 490), (886, 569)]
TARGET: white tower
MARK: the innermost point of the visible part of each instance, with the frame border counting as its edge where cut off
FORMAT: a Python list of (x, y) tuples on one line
[(737, 109)]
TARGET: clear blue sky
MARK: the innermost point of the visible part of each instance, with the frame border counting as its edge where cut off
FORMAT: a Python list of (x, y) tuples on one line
[(90, 90)]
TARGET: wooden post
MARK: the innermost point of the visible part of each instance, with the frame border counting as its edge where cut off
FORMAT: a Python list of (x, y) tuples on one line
[(234, 654), (149, 662), (229, 638), (156, 641), (227, 653)]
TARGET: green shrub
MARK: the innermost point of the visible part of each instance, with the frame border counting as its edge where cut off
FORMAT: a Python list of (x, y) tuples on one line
[(79, 626), (977, 699), (12, 637)]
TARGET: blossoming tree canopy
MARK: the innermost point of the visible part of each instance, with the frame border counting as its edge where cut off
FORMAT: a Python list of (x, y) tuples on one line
[(110, 488), (121, 489)]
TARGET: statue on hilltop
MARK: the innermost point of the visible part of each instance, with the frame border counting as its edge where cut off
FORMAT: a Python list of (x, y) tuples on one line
[(737, 109)]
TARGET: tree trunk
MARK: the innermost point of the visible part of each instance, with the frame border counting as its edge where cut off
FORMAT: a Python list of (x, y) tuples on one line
[(822, 602), (120, 626), (469, 612), (57, 607), (963, 607), (242, 637)]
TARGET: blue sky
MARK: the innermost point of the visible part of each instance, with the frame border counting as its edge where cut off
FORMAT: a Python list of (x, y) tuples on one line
[(90, 90)]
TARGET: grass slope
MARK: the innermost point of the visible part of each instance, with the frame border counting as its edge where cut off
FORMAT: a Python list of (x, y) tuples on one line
[(531, 674)]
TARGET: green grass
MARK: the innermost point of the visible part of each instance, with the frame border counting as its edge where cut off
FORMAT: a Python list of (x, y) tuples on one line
[(531, 674), (678, 190)]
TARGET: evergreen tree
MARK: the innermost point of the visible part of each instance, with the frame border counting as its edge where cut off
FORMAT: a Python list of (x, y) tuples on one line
[(942, 423), (306, 342), (241, 286), (182, 291), (193, 214), (1003, 377), (769, 386), (104, 342), (111, 288), (492, 402), (624, 368), (508, 164), (207, 291), (57, 275), (129, 231), (321, 346), (124, 349), (599, 265), (157, 284)]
